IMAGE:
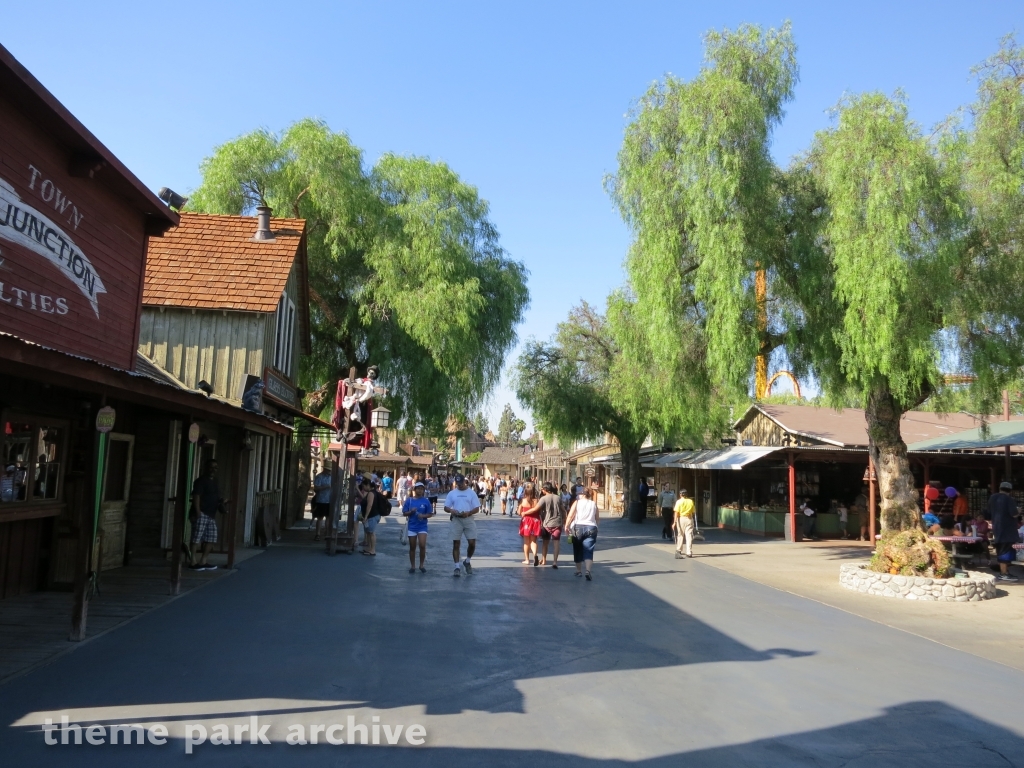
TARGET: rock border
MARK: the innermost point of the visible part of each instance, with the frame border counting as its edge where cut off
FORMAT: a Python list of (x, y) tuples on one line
[(973, 589)]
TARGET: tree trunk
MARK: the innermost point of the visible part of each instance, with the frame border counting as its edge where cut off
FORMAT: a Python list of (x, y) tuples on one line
[(898, 502), (630, 475)]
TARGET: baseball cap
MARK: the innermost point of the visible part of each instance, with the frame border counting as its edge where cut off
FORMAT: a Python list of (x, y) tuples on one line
[(418, 485), (1006, 485), (460, 478)]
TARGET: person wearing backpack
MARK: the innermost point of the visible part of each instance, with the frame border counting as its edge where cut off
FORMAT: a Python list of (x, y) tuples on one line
[(374, 507)]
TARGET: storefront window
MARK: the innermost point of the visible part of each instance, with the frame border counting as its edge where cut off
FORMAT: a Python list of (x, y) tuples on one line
[(17, 447), (50, 441), (32, 454)]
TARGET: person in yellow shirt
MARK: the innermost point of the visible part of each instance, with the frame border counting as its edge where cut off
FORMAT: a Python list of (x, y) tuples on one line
[(683, 525)]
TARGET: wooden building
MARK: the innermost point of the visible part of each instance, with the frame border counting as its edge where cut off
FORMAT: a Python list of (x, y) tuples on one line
[(225, 310), (787, 453), (96, 436)]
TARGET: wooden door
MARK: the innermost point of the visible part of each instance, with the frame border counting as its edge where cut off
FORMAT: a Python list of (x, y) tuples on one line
[(117, 477), (171, 483)]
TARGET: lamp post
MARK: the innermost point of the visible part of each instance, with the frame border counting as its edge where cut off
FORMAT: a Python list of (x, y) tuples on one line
[(352, 394)]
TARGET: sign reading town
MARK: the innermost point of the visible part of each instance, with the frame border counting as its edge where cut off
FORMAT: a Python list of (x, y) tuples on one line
[(72, 250)]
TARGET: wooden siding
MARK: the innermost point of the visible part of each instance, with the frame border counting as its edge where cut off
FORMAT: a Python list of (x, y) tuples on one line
[(763, 431), (38, 301), (220, 347)]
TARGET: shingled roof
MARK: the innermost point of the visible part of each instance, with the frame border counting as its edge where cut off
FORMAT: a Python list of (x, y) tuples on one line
[(848, 428), (211, 262), (493, 454)]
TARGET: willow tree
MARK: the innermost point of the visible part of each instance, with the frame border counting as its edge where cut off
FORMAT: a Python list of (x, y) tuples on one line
[(405, 267), (888, 254), (596, 377)]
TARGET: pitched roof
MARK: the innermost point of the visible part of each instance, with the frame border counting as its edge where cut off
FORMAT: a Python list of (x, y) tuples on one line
[(493, 454), (211, 262), (848, 428), (88, 154)]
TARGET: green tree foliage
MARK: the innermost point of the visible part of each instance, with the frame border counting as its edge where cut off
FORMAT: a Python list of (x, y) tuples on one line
[(480, 422), (510, 427), (596, 377), (889, 253), (406, 269)]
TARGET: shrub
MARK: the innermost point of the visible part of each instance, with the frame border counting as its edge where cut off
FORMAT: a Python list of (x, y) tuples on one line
[(911, 553)]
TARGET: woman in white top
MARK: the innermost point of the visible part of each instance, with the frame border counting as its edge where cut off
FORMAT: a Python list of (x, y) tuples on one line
[(583, 521)]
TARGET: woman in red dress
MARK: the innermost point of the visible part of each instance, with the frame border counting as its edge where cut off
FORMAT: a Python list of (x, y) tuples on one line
[(529, 526)]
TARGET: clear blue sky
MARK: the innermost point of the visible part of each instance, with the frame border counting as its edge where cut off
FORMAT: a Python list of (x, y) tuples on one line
[(526, 100)]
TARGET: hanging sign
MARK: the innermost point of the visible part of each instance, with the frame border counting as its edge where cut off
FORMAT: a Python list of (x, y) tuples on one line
[(589, 471), (105, 417), (193, 433)]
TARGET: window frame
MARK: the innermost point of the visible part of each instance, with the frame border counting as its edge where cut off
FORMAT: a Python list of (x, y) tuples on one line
[(36, 421), (284, 334)]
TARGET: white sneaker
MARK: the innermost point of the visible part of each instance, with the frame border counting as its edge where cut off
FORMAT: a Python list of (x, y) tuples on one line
[(458, 571)]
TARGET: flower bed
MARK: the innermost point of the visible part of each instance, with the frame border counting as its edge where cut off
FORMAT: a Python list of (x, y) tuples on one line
[(976, 587)]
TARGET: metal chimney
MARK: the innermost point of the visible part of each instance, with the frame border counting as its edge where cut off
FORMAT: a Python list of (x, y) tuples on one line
[(263, 232)]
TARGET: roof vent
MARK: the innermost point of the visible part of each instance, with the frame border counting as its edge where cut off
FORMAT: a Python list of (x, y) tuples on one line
[(263, 233)]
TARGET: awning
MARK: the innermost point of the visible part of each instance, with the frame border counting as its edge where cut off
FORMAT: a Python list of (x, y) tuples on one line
[(735, 457), (1000, 433)]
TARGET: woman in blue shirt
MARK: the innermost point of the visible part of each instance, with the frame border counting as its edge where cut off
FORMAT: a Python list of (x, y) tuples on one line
[(417, 510)]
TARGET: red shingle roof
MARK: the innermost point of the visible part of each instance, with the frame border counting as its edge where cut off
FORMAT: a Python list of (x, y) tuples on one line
[(211, 262)]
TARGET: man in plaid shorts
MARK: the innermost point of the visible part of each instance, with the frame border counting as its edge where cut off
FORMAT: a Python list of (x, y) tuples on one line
[(206, 500)]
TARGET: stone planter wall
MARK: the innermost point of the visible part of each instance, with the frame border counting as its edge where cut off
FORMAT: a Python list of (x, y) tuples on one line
[(977, 586)]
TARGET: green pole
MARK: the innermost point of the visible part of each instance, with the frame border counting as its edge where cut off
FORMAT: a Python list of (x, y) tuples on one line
[(100, 464)]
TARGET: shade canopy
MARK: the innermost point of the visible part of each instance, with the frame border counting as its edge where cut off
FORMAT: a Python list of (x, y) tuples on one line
[(1000, 433), (735, 457)]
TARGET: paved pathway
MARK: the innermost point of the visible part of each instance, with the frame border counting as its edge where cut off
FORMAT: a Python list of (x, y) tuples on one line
[(657, 661)]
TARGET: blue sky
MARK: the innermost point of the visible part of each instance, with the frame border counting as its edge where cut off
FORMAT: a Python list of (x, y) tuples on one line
[(526, 100)]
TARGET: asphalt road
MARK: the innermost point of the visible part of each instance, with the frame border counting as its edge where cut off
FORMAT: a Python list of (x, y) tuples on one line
[(657, 662)]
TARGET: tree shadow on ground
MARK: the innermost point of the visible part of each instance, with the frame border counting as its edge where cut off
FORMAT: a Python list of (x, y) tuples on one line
[(917, 734), (296, 624)]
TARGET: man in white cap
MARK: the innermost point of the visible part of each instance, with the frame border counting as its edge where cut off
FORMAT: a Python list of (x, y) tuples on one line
[(462, 503)]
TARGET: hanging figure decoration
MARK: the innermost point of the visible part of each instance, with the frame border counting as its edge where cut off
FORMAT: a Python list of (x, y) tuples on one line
[(354, 399)]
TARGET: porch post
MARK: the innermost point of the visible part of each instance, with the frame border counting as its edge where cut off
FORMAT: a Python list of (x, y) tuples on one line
[(83, 556), (792, 498), (182, 495), (872, 499)]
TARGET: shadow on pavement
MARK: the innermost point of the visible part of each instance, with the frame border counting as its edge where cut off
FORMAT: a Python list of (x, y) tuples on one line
[(920, 733)]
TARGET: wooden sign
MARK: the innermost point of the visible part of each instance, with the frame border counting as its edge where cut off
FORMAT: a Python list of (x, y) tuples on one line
[(72, 253), (589, 471), (278, 388), (105, 418)]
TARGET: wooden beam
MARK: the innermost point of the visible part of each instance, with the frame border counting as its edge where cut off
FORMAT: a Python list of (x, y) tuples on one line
[(793, 536), (181, 504)]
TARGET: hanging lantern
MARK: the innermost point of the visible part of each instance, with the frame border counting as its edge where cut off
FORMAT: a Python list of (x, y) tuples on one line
[(380, 418)]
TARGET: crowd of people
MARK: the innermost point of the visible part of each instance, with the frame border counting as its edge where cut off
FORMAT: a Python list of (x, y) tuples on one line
[(546, 514)]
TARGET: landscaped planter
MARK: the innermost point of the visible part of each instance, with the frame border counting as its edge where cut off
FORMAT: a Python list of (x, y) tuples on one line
[(976, 587)]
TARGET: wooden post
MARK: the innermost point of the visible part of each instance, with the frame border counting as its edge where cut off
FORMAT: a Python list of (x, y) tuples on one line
[(182, 493), (793, 536), (84, 559), (332, 517), (993, 486), (872, 500)]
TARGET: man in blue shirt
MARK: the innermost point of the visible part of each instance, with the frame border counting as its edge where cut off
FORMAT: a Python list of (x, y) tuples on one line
[(386, 484)]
